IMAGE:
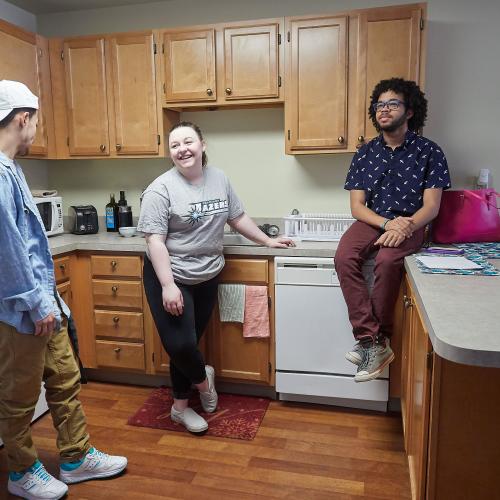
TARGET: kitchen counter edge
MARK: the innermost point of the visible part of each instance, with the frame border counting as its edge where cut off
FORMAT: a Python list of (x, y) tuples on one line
[(461, 329)]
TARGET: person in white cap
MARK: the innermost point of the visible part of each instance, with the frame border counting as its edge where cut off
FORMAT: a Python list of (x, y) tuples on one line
[(34, 342)]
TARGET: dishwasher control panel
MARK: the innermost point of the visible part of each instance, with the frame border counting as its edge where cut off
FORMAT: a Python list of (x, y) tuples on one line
[(319, 271)]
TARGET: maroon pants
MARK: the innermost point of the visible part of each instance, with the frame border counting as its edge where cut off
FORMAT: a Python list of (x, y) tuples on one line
[(371, 316)]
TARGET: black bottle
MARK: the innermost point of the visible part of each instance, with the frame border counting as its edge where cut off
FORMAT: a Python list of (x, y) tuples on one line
[(122, 202), (112, 214)]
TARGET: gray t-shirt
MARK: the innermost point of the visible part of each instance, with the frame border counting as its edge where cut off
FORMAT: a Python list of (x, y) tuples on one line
[(193, 218)]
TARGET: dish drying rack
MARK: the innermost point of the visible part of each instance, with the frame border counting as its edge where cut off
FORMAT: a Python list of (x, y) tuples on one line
[(317, 227)]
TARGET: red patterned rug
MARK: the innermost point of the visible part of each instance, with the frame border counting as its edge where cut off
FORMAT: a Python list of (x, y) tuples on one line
[(237, 417)]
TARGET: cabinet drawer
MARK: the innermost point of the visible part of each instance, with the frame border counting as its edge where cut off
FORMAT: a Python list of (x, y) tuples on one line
[(245, 271), (109, 265), (120, 355), (62, 269), (114, 293), (118, 325)]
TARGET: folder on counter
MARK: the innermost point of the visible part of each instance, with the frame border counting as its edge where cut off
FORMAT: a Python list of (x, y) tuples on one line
[(447, 262)]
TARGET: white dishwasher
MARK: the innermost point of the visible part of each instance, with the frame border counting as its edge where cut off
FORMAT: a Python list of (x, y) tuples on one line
[(313, 333)]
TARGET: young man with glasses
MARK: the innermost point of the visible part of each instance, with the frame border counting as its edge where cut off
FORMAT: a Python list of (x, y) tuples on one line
[(395, 183), (34, 342)]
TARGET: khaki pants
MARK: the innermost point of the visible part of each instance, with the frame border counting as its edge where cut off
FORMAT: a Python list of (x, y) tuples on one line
[(26, 360)]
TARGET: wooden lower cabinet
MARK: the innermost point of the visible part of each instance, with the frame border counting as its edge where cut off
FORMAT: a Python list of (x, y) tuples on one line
[(450, 418), (62, 275), (235, 358), (118, 312), (116, 329)]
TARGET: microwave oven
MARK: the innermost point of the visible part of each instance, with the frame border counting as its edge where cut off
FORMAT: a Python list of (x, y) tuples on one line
[(51, 212)]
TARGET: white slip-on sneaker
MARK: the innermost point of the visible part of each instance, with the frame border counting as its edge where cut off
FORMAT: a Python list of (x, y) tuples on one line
[(36, 483), (189, 419), (210, 398), (94, 465)]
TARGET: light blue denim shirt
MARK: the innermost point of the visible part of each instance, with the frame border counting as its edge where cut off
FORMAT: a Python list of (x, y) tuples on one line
[(27, 282)]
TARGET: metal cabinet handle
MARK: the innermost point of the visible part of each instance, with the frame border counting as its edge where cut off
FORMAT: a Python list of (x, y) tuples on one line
[(407, 302), (341, 139), (102, 147), (361, 138), (116, 319), (117, 349), (210, 92), (114, 263), (229, 91), (114, 288), (118, 147)]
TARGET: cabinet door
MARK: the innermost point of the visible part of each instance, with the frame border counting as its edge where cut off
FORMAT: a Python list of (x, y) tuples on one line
[(236, 357), (20, 60), (389, 46), (64, 290), (316, 84), (407, 325), (86, 101), (419, 385), (251, 62), (190, 66), (133, 64)]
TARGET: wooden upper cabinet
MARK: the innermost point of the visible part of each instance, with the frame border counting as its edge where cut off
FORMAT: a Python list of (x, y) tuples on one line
[(389, 45), (190, 66), (251, 62), (24, 58), (134, 92), (223, 64), (315, 106), (86, 99)]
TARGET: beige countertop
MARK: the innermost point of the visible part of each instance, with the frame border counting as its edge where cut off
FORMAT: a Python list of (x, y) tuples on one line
[(113, 242), (461, 313)]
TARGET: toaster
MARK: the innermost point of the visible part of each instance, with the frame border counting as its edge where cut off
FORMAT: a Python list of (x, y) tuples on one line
[(83, 219)]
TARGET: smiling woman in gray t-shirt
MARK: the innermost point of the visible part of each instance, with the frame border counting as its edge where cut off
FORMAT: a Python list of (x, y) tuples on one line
[(193, 218), (183, 213)]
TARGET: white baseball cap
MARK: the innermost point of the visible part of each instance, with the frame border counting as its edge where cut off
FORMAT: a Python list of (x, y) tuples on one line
[(14, 95)]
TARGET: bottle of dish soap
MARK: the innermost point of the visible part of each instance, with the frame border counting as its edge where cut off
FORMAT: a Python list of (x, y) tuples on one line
[(112, 214)]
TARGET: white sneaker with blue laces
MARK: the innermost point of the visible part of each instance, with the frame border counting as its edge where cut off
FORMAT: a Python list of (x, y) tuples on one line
[(94, 465), (35, 483)]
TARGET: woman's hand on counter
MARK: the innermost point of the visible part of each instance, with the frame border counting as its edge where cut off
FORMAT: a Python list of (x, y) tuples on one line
[(281, 242)]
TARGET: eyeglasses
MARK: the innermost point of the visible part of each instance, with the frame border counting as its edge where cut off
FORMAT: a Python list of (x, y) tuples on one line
[(392, 104)]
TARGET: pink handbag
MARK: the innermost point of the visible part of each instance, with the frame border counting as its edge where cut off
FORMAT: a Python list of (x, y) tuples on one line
[(467, 217)]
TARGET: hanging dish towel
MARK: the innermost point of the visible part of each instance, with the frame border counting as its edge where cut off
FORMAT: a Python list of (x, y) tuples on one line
[(231, 302), (256, 322)]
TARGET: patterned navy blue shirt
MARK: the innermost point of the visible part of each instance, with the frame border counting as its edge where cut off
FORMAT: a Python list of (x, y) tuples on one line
[(394, 180)]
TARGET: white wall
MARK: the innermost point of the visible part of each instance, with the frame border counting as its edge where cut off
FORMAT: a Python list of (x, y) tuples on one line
[(17, 16), (463, 71)]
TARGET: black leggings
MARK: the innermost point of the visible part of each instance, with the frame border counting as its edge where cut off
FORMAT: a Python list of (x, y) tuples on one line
[(180, 334)]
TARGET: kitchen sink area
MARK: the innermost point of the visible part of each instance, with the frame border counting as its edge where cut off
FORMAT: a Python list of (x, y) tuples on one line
[(236, 239)]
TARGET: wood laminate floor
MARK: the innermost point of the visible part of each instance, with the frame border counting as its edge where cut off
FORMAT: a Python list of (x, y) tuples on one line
[(300, 452)]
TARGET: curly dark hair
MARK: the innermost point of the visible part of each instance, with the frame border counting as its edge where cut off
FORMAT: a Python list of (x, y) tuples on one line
[(204, 157), (414, 99)]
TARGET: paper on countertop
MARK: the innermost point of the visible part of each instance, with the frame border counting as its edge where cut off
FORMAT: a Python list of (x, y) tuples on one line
[(447, 262)]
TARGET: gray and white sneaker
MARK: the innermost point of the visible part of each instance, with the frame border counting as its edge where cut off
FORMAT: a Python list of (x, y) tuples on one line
[(209, 399), (376, 358), (355, 355)]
